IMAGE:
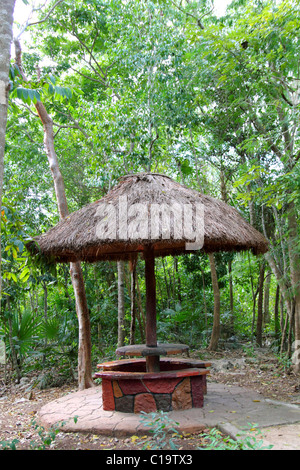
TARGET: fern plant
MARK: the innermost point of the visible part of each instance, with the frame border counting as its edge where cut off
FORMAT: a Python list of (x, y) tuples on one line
[(25, 334)]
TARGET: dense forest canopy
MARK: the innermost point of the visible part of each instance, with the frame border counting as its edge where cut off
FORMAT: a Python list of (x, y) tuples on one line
[(166, 86)]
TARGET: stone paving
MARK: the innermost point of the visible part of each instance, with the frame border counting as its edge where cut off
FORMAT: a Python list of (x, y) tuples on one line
[(231, 408)]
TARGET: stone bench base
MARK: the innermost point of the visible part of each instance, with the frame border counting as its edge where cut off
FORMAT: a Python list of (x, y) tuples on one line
[(133, 390)]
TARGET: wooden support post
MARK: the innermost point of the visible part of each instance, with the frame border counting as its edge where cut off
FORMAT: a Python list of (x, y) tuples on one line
[(152, 362)]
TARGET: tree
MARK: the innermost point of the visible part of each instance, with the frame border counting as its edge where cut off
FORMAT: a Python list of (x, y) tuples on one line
[(167, 87), (84, 348), (6, 35), (251, 107), (216, 321), (121, 307)]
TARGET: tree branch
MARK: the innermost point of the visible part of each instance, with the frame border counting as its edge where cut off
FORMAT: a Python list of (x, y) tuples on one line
[(47, 16), (198, 20), (70, 126)]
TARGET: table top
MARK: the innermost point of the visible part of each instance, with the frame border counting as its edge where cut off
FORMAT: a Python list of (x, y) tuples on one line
[(163, 349)]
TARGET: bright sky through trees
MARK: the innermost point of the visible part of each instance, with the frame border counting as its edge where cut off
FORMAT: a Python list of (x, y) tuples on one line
[(22, 10)]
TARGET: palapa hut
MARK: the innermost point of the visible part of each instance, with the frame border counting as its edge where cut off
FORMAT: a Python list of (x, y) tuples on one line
[(81, 235), (153, 215)]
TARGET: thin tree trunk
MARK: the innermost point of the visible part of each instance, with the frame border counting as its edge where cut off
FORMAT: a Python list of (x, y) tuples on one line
[(281, 313), (6, 24), (294, 256), (283, 336), (266, 311), (4, 349), (204, 301), (44, 284), (67, 295), (274, 264), (276, 313), (216, 321), (132, 266), (177, 279), (11, 343), (259, 322), (231, 297), (167, 284), (141, 326), (84, 347), (253, 296), (45, 300), (290, 333), (284, 289), (121, 306), (142, 316)]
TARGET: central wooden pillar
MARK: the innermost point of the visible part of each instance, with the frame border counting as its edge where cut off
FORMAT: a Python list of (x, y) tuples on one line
[(152, 362)]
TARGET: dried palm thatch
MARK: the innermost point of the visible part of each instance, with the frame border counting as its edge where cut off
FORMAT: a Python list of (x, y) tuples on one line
[(119, 225)]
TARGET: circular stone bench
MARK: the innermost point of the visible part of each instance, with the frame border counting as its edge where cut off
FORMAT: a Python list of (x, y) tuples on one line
[(127, 387)]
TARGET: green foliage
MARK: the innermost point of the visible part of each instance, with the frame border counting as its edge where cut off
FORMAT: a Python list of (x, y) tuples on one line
[(161, 426), (46, 436), (215, 440), (35, 90), (24, 333), (137, 86), (9, 445)]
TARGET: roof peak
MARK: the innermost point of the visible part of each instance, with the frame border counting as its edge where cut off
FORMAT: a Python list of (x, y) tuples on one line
[(142, 175)]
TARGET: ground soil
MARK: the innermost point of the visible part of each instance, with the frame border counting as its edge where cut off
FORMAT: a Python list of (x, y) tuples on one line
[(19, 406)]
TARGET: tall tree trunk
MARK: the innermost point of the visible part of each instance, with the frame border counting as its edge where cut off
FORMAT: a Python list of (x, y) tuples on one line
[(276, 313), (231, 298), (290, 333), (266, 315), (254, 294), (216, 322), (121, 306), (177, 279), (294, 256), (281, 313), (167, 284), (84, 347), (142, 315), (6, 24), (284, 288), (84, 338), (204, 301), (259, 322), (132, 268), (44, 284), (224, 197), (11, 342), (284, 330)]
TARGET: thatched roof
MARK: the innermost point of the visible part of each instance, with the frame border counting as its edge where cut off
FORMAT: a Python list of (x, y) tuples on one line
[(107, 229)]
